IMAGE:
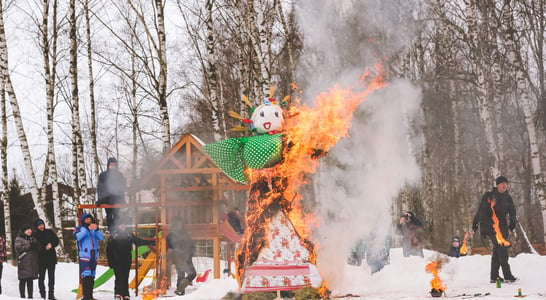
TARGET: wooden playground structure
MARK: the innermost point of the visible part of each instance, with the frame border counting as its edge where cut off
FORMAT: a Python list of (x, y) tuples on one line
[(187, 185)]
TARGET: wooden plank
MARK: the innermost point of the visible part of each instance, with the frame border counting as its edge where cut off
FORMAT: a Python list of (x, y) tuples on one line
[(202, 231)]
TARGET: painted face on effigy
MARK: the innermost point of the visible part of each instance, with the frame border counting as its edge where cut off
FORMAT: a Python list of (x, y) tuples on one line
[(267, 118)]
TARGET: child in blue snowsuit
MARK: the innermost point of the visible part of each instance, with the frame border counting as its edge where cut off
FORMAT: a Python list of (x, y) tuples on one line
[(88, 236)]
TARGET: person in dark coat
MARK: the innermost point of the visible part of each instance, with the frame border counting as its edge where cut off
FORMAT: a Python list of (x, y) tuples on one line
[(181, 250), (411, 229), (111, 190), (118, 251), (88, 236), (455, 248), (497, 202), (26, 249), (3, 258), (47, 258)]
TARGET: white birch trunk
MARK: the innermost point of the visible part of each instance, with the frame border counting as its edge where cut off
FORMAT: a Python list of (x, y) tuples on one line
[(257, 31), (96, 160), (211, 77), (80, 178), (16, 112), (4, 161), (51, 162), (162, 88), (484, 106), (524, 101)]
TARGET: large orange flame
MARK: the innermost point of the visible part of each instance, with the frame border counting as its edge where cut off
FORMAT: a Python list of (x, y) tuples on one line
[(309, 134), (464, 249), (498, 234), (436, 283)]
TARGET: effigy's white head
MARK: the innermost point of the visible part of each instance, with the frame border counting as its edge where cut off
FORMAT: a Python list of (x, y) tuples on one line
[(267, 117)]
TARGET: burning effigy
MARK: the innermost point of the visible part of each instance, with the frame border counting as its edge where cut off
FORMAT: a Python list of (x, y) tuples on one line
[(276, 252)]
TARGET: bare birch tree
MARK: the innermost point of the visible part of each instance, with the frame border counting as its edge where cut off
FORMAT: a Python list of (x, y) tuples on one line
[(50, 67), (16, 112), (4, 161), (484, 105), (78, 163), (522, 93), (157, 39), (93, 117)]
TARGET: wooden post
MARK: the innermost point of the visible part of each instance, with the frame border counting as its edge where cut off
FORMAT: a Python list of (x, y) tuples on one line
[(163, 241)]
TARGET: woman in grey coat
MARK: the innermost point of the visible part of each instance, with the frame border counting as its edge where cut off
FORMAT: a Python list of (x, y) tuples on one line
[(26, 248)]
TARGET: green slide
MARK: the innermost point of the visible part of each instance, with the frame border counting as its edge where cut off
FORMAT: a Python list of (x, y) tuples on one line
[(110, 272)]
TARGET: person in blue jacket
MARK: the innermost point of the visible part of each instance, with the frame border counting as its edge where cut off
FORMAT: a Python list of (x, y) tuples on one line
[(88, 236)]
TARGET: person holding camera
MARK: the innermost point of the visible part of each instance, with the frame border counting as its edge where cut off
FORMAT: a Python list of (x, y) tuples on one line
[(411, 228), (88, 236), (26, 248)]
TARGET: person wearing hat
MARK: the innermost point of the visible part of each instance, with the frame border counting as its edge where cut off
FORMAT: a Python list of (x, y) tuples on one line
[(500, 202), (26, 249), (411, 229), (118, 251), (88, 236), (47, 258), (455, 248), (111, 190)]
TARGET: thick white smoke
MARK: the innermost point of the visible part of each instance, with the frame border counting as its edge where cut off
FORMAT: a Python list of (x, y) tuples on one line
[(362, 174)]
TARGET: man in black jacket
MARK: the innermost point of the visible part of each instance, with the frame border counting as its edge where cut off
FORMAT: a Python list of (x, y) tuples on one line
[(111, 190), (494, 208), (47, 258), (118, 251)]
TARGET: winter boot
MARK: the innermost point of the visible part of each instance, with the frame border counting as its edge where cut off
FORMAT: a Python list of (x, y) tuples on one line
[(51, 296), (181, 287), (87, 286)]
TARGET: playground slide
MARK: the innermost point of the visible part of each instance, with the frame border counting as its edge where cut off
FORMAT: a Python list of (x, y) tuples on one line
[(110, 272)]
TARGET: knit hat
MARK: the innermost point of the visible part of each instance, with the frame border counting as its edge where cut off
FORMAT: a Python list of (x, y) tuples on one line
[(112, 160), (38, 223), (456, 239), (501, 179), (25, 227)]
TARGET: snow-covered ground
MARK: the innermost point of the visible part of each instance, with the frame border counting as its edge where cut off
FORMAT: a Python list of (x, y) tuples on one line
[(404, 278)]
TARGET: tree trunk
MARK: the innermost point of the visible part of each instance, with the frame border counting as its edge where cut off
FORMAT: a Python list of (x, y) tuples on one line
[(80, 178), (484, 106), (51, 161), (4, 161), (162, 88), (211, 76), (96, 160)]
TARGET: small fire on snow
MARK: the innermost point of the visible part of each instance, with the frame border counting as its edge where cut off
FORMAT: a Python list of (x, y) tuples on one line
[(437, 287), (151, 294)]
